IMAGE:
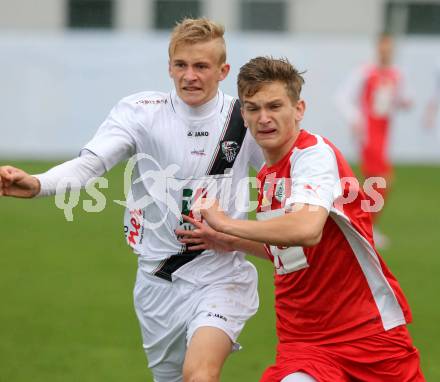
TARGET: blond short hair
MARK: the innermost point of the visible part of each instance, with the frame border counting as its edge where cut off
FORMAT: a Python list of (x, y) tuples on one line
[(263, 70), (193, 31)]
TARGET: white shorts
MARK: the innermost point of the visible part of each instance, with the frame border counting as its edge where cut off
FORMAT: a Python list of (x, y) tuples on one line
[(170, 312)]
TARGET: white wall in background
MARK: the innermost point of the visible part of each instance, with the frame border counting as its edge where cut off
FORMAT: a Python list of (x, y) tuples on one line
[(35, 15), (341, 16), (55, 90)]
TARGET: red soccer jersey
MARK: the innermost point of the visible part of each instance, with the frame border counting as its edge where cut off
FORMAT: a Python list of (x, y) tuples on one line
[(339, 289), (369, 99), (380, 92), (379, 96)]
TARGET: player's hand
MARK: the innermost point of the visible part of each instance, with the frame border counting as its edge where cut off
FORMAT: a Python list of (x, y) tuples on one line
[(204, 237), (210, 210), (17, 183)]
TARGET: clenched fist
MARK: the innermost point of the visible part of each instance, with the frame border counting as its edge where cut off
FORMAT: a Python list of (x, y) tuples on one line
[(15, 182)]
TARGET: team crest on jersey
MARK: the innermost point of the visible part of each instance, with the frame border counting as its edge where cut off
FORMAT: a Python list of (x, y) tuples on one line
[(280, 190), (230, 150)]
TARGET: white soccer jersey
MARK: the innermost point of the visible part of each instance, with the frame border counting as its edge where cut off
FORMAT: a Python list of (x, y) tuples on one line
[(177, 150)]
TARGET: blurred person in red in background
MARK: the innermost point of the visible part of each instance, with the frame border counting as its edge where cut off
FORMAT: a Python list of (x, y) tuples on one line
[(368, 100), (431, 111)]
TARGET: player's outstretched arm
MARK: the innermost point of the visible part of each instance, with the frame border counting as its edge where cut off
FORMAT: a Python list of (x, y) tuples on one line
[(17, 183), (301, 227)]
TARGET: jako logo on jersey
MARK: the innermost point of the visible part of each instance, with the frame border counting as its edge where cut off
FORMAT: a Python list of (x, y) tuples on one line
[(197, 134), (152, 101), (230, 149), (217, 315)]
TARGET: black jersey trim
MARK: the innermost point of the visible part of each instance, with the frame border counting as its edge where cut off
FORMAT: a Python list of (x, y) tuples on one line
[(224, 157)]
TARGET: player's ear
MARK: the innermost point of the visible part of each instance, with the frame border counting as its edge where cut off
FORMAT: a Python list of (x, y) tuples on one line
[(242, 116), (300, 110), (224, 71), (169, 68)]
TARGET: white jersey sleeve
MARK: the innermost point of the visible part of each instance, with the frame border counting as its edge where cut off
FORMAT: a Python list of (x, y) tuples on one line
[(315, 176), (348, 95), (82, 169), (113, 142), (115, 139)]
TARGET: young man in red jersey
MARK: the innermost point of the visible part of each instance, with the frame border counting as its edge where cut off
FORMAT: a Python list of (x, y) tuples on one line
[(368, 100), (341, 314)]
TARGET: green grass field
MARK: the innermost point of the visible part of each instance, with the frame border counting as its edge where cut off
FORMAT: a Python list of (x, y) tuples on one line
[(66, 287)]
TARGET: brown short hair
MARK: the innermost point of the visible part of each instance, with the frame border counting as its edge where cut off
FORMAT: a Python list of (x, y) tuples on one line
[(263, 70), (192, 31)]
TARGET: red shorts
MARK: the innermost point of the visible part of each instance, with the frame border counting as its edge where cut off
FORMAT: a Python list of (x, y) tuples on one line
[(385, 357)]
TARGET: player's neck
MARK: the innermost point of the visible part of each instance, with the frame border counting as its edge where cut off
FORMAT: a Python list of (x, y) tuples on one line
[(384, 64), (195, 112)]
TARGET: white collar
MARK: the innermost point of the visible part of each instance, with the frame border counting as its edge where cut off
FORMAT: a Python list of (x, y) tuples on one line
[(198, 112)]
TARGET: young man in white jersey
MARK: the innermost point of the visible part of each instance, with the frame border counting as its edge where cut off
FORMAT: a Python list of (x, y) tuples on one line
[(191, 306), (341, 315)]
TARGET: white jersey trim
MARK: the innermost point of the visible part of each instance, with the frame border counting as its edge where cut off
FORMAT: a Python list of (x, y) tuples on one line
[(386, 301)]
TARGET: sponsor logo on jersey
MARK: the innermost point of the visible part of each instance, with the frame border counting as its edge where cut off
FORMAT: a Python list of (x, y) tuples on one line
[(152, 101), (230, 150), (189, 197), (217, 315), (134, 231), (197, 134), (199, 153)]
